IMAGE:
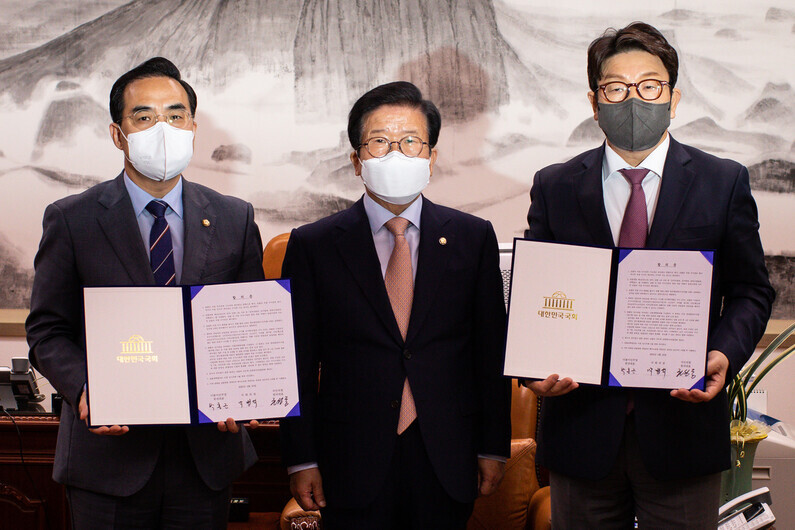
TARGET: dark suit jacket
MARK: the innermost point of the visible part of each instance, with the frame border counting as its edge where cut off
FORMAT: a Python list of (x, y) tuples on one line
[(93, 239), (704, 203), (453, 353)]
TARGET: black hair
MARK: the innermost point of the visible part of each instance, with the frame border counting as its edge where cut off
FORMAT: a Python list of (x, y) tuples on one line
[(396, 93), (154, 67), (636, 36)]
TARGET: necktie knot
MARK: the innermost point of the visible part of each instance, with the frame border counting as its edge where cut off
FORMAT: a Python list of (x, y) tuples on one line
[(634, 176), (397, 225), (157, 208)]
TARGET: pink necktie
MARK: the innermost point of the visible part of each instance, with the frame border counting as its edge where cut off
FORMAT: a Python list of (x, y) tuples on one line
[(400, 288), (635, 225)]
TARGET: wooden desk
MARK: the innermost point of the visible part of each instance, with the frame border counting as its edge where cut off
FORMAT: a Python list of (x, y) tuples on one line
[(265, 484), (20, 505)]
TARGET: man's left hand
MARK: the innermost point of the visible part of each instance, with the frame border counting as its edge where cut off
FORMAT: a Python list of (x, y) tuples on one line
[(717, 367), (490, 473)]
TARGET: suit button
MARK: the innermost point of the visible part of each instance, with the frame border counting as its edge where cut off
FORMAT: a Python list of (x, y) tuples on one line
[(395, 404), (406, 354)]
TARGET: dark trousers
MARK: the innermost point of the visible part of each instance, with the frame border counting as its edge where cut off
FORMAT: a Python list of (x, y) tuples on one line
[(412, 496), (629, 491), (174, 497)]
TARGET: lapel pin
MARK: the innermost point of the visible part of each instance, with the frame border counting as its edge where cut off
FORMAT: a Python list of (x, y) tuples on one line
[(205, 222), (442, 240)]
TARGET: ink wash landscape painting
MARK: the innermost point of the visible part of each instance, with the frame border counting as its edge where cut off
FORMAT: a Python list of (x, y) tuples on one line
[(276, 78)]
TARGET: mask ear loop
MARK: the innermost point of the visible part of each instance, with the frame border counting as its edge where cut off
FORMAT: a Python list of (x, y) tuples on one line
[(126, 140), (122, 132)]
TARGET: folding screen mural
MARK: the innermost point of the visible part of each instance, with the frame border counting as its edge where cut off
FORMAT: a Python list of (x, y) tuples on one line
[(275, 79)]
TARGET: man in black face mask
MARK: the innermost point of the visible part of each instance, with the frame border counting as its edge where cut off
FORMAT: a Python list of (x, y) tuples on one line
[(615, 454)]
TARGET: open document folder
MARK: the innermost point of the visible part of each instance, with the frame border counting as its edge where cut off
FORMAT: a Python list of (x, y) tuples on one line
[(198, 354), (618, 317)]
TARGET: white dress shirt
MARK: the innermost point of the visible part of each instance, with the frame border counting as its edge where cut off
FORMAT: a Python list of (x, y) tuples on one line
[(616, 189)]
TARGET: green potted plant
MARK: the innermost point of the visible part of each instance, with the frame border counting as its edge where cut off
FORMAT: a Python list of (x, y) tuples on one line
[(746, 435)]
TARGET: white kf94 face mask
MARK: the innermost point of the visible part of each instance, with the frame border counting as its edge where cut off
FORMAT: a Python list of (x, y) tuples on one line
[(160, 152), (396, 178)]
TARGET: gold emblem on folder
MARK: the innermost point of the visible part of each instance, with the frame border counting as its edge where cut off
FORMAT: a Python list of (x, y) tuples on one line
[(136, 350), (558, 305), (558, 300)]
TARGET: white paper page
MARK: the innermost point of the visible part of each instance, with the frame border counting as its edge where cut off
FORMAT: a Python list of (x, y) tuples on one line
[(557, 312), (245, 351), (135, 349), (661, 319)]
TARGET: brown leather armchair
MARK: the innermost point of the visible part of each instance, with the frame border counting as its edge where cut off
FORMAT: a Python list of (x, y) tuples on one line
[(520, 502), (273, 256)]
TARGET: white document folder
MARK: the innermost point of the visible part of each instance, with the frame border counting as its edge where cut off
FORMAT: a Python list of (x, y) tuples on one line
[(186, 355), (603, 316)]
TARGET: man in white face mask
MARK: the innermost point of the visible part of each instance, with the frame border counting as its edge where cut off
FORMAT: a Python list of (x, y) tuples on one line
[(148, 226), (401, 302)]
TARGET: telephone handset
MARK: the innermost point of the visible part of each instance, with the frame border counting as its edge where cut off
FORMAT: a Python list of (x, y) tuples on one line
[(749, 511)]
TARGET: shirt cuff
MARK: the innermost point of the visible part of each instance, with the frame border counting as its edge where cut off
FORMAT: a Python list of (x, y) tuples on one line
[(494, 457), (301, 467)]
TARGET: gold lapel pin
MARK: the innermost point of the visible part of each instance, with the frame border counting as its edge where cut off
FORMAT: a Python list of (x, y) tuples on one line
[(205, 222), (442, 240)]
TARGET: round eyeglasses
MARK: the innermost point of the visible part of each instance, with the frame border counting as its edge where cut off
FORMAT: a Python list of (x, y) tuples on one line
[(648, 90), (378, 147), (146, 118)]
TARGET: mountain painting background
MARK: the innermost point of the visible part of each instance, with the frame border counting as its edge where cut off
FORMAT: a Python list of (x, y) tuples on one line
[(276, 78)]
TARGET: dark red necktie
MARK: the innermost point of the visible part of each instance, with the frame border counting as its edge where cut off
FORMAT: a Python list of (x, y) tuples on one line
[(635, 225)]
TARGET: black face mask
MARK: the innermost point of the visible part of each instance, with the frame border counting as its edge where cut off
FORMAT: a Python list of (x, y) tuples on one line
[(634, 124)]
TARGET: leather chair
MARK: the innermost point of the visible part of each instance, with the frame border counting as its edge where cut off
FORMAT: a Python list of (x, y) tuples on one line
[(520, 502), (522, 499), (273, 256)]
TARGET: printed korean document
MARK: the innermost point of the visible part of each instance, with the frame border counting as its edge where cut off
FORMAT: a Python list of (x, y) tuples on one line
[(193, 354), (661, 319)]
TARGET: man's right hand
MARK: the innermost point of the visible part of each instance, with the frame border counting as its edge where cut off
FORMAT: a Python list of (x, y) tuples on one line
[(307, 489), (113, 430), (552, 386)]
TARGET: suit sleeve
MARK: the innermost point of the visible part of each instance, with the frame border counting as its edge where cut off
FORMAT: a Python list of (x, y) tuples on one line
[(55, 324), (537, 214), (298, 433), (489, 336), (743, 281), (251, 263)]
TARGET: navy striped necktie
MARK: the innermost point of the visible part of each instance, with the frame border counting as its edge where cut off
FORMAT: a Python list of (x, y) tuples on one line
[(161, 251)]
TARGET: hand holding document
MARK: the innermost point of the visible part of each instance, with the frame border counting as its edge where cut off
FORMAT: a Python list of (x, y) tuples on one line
[(617, 317), (105, 430), (181, 355)]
